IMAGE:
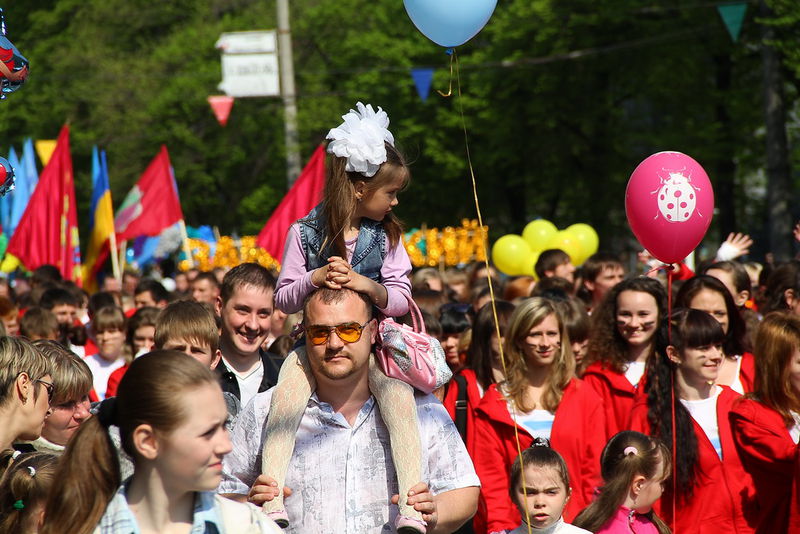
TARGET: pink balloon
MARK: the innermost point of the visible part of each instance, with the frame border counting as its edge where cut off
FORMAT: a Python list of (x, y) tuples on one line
[(669, 203)]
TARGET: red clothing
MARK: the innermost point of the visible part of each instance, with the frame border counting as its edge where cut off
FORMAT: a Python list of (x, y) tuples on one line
[(574, 435), (114, 379), (723, 497), (747, 372), (473, 399), (617, 393), (773, 460)]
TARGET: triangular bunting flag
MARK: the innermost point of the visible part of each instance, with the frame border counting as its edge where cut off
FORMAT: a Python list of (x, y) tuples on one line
[(221, 105), (422, 79), (45, 148), (733, 16)]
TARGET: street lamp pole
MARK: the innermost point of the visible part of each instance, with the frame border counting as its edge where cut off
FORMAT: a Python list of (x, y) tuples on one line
[(288, 92)]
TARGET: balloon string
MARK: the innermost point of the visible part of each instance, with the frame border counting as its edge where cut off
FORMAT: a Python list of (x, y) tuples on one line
[(452, 53), (454, 59), (670, 275)]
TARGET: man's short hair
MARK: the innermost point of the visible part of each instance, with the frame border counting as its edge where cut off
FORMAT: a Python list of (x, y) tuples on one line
[(209, 276), (330, 296), (597, 263), (548, 261), (38, 322), (72, 379), (188, 320), (144, 316), (7, 307), (245, 274), (18, 355), (157, 291), (109, 318), (58, 296), (101, 299), (45, 274)]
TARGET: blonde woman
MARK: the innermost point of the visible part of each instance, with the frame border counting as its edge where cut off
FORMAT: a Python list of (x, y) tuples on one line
[(540, 398)]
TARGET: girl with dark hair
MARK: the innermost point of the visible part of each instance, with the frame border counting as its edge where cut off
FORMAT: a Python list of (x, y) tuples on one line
[(622, 341), (711, 484), (483, 368), (540, 490), (766, 424), (783, 289), (454, 322), (707, 293), (634, 468), (177, 451), (541, 397)]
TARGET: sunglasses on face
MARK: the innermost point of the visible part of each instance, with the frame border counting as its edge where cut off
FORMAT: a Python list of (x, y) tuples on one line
[(347, 332), (49, 387)]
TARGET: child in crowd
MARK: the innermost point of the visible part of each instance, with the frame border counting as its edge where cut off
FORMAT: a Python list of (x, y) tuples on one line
[(554, 262), (177, 451), (38, 323), (23, 492), (634, 468), (353, 240), (108, 326), (69, 407), (540, 489), (139, 339), (189, 327)]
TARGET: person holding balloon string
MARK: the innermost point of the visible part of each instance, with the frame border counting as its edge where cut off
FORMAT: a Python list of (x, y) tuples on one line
[(621, 344), (708, 294), (712, 488)]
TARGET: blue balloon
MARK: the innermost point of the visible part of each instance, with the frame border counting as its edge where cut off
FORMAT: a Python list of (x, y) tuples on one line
[(450, 22), (6, 177)]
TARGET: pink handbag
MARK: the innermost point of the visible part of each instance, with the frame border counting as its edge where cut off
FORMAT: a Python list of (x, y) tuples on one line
[(410, 354)]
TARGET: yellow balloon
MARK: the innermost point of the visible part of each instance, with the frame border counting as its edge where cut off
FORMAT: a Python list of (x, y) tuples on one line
[(568, 243), (510, 254), (530, 263), (587, 238), (538, 233), (10, 263)]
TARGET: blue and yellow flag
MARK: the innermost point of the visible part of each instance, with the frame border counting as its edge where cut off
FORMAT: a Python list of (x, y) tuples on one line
[(101, 219)]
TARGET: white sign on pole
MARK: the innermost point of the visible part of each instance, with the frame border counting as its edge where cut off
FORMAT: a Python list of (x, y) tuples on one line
[(249, 64)]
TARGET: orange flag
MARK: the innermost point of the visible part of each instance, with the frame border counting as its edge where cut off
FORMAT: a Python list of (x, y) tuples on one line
[(47, 233)]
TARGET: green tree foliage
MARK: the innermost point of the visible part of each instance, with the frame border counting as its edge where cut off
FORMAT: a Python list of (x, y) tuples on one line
[(561, 100)]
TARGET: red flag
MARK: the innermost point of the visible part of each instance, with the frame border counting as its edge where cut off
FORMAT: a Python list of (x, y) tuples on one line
[(47, 233), (152, 205), (301, 198)]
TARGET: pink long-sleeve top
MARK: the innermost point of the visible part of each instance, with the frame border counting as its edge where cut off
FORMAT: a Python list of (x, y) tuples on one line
[(294, 282)]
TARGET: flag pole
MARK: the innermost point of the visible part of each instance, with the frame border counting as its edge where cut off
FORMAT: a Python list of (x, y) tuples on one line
[(112, 242), (186, 249), (123, 248)]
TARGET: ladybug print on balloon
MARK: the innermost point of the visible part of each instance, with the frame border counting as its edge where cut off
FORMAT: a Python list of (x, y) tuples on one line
[(676, 197), (13, 65), (669, 203), (6, 177)]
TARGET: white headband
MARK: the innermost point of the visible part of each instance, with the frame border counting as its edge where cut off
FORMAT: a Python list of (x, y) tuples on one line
[(360, 139)]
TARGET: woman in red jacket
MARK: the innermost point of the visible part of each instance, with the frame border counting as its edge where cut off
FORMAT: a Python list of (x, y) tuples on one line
[(714, 493), (766, 424), (709, 294), (541, 397), (621, 342), (483, 368)]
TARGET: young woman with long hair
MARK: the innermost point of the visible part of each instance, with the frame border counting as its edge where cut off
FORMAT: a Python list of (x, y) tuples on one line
[(177, 452), (712, 490), (766, 424), (540, 397), (707, 293), (621, 343)]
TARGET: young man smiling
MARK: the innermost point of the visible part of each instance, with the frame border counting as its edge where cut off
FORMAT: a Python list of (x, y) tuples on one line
[(245, 305)]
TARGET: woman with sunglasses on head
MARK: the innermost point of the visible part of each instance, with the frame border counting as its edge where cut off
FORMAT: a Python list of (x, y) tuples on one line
[(540, 398), (26, 387), (709, 294), (351, 240), (621, 343)]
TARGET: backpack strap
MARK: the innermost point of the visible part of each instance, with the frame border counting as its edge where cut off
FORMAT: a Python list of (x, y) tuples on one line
[(461, 406)]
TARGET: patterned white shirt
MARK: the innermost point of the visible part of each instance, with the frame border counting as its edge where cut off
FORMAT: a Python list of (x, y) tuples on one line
[(342, 476)]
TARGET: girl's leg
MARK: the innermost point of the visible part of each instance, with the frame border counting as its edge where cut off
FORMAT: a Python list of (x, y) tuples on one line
[(399, 412), (288, 403)]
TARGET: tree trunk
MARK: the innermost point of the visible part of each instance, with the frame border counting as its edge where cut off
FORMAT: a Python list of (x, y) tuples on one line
[(779, 185), (725, 167)]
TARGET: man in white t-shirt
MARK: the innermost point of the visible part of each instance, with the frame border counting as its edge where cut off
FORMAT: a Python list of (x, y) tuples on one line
[(245, 307), (341, 472)]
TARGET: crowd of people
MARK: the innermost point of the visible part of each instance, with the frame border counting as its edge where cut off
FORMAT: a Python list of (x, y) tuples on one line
[(587, 400)]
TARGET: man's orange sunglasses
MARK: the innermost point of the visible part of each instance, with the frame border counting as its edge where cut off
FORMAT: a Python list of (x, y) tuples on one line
[(347, 332)]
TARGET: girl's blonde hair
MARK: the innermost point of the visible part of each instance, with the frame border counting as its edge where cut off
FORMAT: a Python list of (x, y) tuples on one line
[(526, 316), (24, 485), (339, 200), (626, 456)]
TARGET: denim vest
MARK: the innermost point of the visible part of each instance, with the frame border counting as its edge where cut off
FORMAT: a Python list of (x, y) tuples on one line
[(369, 252)]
